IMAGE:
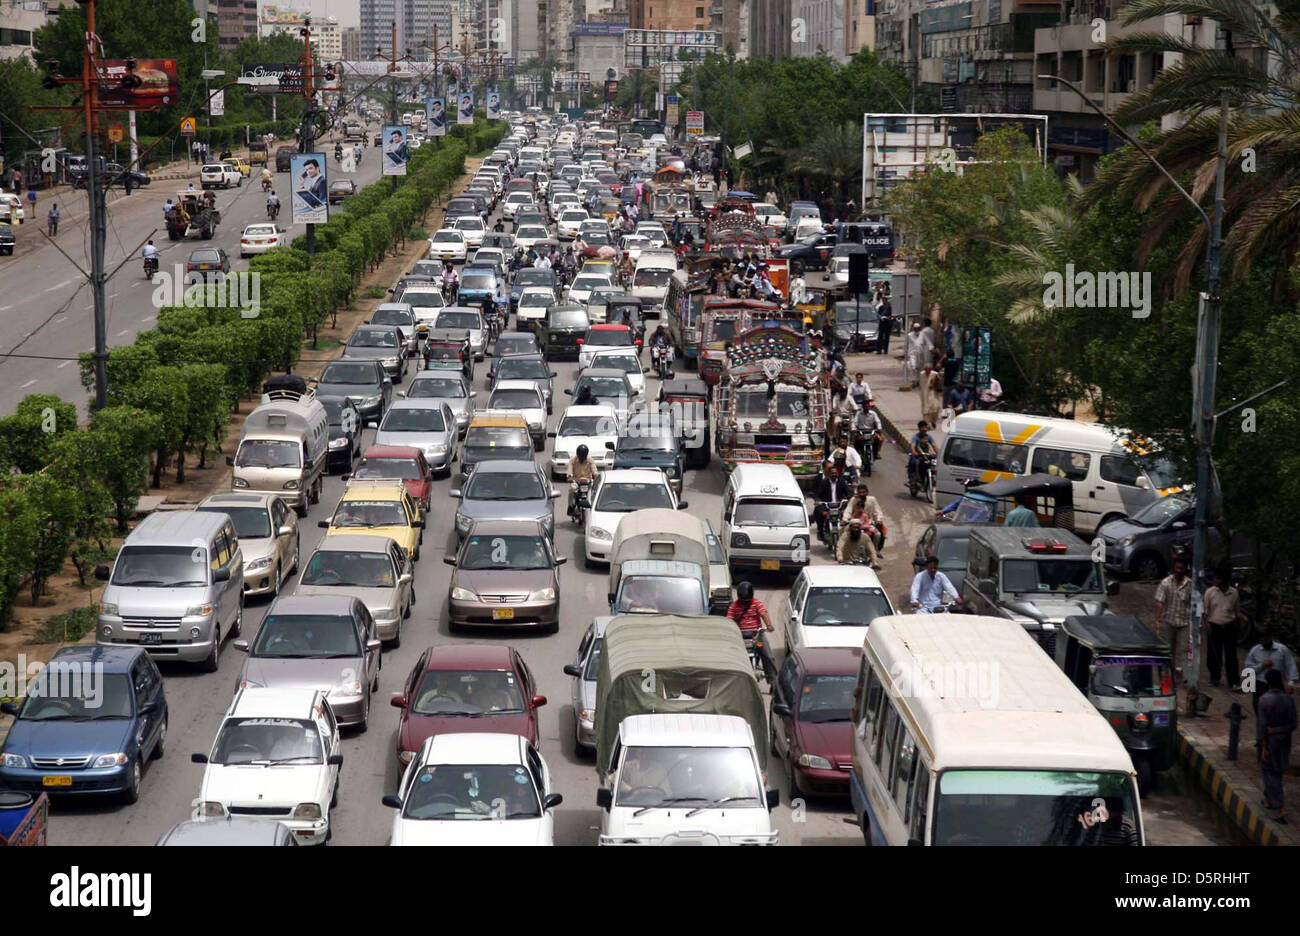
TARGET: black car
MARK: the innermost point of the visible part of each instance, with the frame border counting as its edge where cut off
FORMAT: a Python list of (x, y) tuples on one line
[(814, 251), (652, 442), (341, 189), (365, 383), (345, 433), (114, 174), (561, 331), (515, 342), (7, 239), (531, 277)]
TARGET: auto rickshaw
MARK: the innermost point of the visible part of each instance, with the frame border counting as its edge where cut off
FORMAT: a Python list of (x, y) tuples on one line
[(817, 305), (991, 502), (257, 153), (449, 349), (1126, 671)]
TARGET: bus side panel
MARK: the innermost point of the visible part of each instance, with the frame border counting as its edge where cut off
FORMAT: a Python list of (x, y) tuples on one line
[(862, 809)]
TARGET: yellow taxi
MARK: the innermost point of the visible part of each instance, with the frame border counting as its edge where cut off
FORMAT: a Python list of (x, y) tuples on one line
[(378, 508), (245, 169)]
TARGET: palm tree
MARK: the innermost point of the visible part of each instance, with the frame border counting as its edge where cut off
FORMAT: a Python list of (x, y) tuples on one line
[(1052, 229), (834, 155), (1261, 93)]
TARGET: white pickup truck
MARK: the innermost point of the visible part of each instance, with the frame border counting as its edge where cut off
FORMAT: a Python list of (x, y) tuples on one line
[(215, 175)]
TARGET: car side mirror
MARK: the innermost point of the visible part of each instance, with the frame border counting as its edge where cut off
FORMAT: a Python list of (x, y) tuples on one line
[(285, 530), (230, 461), (550, 435), (221, 575), (335, 760), (554, 494), (539, 701), (198, 758), (402, 394), (1178, 525), (781, 708), (610, 446), (773, 799), (604, 798), (372, 424), (418, 524), (11, 708), (101, 573), (454, 492), (323, 524), (1112, 587), (570, 669), (391, 800), (406, 578), (241, 646), (449, 560), (398, 701), (682, 505), (561, 560), (568, 391)]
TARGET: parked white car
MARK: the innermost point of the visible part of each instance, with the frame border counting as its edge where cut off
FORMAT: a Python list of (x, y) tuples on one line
[(615, 494), (14, 205), (276, 755), (475, 788), (591, 426), (448, 244), (259, 238)]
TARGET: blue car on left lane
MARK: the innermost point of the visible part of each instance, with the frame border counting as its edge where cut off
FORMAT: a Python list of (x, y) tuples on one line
[(88, 723)]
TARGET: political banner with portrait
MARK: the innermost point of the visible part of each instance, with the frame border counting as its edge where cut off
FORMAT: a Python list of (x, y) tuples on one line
[(494, 105), (435, 112), (465, 110), (396, 153), (309, 201)]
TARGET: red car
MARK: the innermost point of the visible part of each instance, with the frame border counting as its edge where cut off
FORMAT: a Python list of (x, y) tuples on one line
[(811, 727), (463, 688), (398, 462)]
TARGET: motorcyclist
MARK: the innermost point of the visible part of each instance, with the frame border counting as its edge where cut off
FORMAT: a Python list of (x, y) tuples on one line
[(150, 254), (625, 266), (450, 281), (921, 446), (864, 505), (273, 204), (267, 178), (750, 614), (582, 468), (338, 151), (929, 586), (867, 422), (832, 488), (855, 544)]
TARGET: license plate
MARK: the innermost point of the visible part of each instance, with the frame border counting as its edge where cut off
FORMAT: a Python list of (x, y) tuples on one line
[(770, 565), (56, 781), (151, 638), (503, 614)]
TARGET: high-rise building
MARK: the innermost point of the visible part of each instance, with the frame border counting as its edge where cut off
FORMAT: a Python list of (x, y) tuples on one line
[(817, 28), (731, 19), (19, 22), (351, 43), (377, 19), (670, 14), (769, 29), (236, 21), (859, 26)]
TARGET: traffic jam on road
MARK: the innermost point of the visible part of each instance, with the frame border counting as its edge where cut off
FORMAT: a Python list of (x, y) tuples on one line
[(586, 537)]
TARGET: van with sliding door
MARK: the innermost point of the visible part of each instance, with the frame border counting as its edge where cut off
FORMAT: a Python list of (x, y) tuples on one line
[(1115, 473), (966, 733), (764, 519)]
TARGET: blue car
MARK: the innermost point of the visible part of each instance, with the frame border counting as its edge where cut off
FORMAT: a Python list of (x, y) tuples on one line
[(88, 723)]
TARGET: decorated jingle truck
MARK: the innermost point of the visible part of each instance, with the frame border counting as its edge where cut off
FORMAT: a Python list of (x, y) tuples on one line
[(772, 402), (721, 320)]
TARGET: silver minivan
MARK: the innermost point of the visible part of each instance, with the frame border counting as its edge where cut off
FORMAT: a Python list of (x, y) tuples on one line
[(176, 588)]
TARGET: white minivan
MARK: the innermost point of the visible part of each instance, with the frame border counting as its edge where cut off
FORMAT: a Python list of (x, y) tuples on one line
[(764, 519), (654, 268)]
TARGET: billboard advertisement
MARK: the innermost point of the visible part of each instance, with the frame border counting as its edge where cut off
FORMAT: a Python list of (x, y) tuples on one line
[(309, 203), (289, 73), (395, 151), (159, 84), (694, 123), (494, 105), (465, 109), (435, 113)]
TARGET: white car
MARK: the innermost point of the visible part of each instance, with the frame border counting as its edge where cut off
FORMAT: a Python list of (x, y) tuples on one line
[(609, 336), (475, 788), (259, 238), (626, 360), (633, 244), (473, 229), (426, 302), (530, 234), (770, 214), (523, 397), (807, 227), (493, 255), (15, 212), (618, 492), (593, 226), (584, 284), (831, 606), (532, 306), (591, 426), (654, 232), (276, 755), (215, 175), (570, 222), (514, 201), (448, 244)]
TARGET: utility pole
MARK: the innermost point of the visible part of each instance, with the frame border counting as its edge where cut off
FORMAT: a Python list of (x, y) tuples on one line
[(308, 132)]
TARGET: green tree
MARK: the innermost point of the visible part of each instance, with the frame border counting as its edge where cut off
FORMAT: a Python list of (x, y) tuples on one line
[(55, 509), (18, 535), (122, 438), (75, 465), (26, 436)]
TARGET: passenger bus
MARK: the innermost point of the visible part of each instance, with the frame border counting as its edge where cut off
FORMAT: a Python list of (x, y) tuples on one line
[(1114, 473), (966, 733), (682, 315)]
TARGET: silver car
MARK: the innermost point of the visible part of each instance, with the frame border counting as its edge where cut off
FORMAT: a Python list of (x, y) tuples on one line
[(382, 343), (502, 489), (268, 537), (323, 642), (402, 315), (449, 388), (522, 396), (372, 568), (428, 425), (466, 319)]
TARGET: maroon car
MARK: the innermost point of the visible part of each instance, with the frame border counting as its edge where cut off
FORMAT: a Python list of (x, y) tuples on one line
[(464, 688), (398, 462), (811, 728)]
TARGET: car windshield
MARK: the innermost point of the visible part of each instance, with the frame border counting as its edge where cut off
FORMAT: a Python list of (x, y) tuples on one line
[(446, 388), (1034, 807), (350, 568), (467, 792), (504, 486), (531, 232), (390, 469), (723, 330), (468, 692), (567, 318), (267, 741), (575, 215), (437, 351), (660, 594), (523, 368), (590, 282), (161, 567), (268, 453), (604, 388), (642, 439), (413, 420), (478, 281), (515, 399), (335, 407), (307, 636), (624, 496), (827, 698), (627, 363), (260, 230), (391, 317), (652, 276), (374, 338), (250, 522), (535, 299), (64, 692), (752, 403), (448, 237), (467, 320), (1158, 513), (520, 553), (515, 344), (361, 513), (1049, 575), (851, 606), (689, 776), (769, 511), (1132, 677), (587, 426)]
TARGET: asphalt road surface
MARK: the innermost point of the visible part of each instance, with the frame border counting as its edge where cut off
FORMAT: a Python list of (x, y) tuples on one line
[(370, 770)]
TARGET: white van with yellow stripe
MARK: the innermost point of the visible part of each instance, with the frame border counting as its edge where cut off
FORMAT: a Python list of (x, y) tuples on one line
[(1114, 472)]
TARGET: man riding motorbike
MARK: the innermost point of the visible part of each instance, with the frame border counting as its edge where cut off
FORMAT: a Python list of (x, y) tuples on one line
[(921, 447), (272, 205), (868, 430), (930, 586), (855, 545), (750, 615), (864, 505), (338, 152), (150, 254), (450, 283), (582, 468), (626, 268), (266, 179), (832, 489)]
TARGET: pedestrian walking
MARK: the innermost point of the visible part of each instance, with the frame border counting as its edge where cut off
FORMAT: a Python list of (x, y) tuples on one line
[(1275, 724), (53, 220), (884, 325), (1267, 655), (916, 352), (931, 394), (18, 180), (1222, 613), (1173, 615)]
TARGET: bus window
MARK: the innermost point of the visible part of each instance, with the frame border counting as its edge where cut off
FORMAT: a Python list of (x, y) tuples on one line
[(904, 773), (920, 802), (1072, 465), (985, 456), (889, 741)]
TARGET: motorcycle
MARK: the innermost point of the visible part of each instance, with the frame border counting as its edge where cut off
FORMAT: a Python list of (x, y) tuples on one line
[(266, 185), (756, 647), (272, 210), (834, 515), (865, 447), (661, 360), (922, 478), (449, 292), (338, 154), (580, 504), (150, 266)]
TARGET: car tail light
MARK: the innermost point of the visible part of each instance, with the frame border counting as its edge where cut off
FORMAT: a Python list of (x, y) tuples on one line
[(1167, 683)]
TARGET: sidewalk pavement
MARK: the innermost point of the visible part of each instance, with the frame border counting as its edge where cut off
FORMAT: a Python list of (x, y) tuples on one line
[(1236, 787)]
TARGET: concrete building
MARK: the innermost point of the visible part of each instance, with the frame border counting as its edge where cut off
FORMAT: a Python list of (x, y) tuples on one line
[(377, 17), (731, 18), (18, 23), (597, 47), (351, 40), (769, 29), (326, 34), (236, 21), (859, 26), (817, 28), (670, 14)]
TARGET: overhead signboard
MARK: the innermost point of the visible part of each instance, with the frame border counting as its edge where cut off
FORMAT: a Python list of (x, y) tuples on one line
[(650, 48), (159, 84), (288, 75), (694, 123), (672, 114)]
